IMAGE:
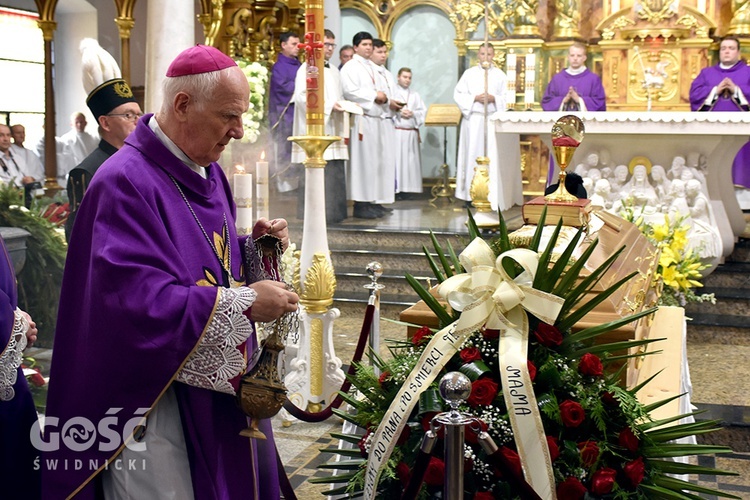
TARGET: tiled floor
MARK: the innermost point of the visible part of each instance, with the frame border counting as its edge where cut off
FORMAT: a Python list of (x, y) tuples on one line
[(709, 364)]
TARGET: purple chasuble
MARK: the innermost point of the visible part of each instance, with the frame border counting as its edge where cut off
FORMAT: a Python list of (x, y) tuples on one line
[(18, 476), (131, 314), (587, 84), (281, 90), (710, 77), (699, 91)]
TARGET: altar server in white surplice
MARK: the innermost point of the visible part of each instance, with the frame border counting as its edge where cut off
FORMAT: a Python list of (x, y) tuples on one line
[(471, 97), (365, 141), (336, 124), (407, 123), (385, 82)]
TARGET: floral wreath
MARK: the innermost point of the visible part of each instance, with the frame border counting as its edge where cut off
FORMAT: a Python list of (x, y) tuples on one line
[(599, 439)]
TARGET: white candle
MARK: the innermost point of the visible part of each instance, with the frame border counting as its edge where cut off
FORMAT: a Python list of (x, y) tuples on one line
[(243, 198), (261, 188), (243, 189)]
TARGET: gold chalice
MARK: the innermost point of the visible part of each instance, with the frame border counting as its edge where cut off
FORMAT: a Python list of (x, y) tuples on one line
[(567, 134)]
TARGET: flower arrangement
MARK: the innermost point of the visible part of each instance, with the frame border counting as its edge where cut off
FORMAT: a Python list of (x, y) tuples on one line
[(257, 78), (599, 438), (38, 383), (679, 269), (40, 279)]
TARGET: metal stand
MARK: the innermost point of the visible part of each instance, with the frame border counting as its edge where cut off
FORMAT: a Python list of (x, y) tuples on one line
[(443, 189), (375, 271)]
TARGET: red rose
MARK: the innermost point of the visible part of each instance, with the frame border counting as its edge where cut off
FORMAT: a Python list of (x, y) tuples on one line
[(532, 370), (571, 489), (512, 460), (468, 464), (484, 495), (589, 452), (483, 391), (435, 472), (421, 335), (490, 334), (572, 413), (635, 471), (554, 449), (472, 437), (628, 440), (425, 421), (548, 335), (403, 473), (608, 398), (404, 436), (603, 480), (382, 377), (590, 364), (470, 354)]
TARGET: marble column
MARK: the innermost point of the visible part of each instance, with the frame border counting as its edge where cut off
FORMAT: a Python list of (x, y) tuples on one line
[(170, 29)]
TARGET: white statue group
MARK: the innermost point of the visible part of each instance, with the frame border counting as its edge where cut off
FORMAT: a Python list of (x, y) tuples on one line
[(652, 192)]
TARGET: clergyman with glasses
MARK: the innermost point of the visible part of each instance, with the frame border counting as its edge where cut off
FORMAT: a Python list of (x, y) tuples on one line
[(117, 112)]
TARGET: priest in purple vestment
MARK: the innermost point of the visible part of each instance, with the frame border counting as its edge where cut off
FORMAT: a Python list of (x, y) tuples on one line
[(575, 88), (726, 86), (157, 307), (19, 476), (281, 110)]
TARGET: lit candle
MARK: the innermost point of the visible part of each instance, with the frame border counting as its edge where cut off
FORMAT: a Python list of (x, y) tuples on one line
[(243, 198), (261, 186)]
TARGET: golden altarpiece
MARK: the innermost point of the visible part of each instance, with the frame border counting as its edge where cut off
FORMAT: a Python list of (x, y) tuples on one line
[(647, 52)]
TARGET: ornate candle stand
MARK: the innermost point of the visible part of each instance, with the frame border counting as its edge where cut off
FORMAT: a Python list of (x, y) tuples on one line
[(315, 374)]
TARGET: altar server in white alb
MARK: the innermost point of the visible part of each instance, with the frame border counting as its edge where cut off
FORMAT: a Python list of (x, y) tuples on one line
[(365, 141), (408, 143), (471, 95), (384, 81), (336, 124)]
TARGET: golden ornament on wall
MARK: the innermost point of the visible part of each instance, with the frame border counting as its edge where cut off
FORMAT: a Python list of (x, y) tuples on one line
[(654, 72)]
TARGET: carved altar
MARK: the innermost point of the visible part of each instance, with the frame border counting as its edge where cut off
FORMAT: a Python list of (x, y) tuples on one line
[(660, 137)]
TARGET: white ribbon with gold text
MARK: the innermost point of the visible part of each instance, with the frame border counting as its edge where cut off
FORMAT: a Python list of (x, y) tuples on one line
[(484, 294)]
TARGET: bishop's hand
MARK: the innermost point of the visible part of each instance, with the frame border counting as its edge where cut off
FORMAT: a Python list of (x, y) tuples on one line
[(272, 302)]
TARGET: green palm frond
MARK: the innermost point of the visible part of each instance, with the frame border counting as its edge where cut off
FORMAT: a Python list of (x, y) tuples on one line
[(435, 306)]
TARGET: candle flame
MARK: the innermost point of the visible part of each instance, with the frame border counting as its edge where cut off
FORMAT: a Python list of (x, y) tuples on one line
[(262, 155), (239, 169)]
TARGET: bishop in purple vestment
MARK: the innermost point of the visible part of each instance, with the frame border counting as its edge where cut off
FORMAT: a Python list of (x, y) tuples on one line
[(280, 105), (575, 88), (19, 476), (156, 311)]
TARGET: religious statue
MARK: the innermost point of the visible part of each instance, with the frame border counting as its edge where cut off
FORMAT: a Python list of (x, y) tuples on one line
[(640, 189), (703, 237), (620, 177), (740, 24), (526, 14), (568, 18), (660, 182), (601, 196)]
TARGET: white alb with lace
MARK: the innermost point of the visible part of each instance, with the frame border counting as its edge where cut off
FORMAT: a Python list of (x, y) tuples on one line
[(12, 356), (217, 360)]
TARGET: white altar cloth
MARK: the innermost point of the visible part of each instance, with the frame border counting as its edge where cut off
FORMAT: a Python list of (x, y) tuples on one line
[(660, 136)]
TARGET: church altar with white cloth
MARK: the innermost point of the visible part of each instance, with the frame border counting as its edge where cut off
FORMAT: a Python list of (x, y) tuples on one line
[(659, 136)]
